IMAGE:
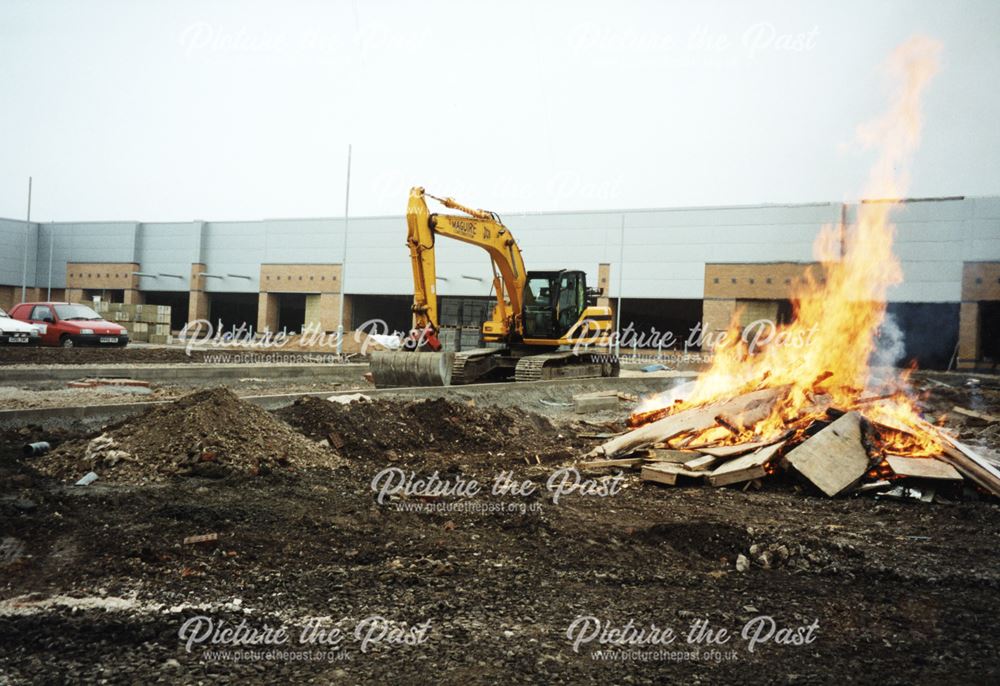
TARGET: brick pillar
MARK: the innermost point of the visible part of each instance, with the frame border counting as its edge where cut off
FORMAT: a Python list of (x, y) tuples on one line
[(604, 283), (968, 335), (717, 315), (198, 299), (267, 312), (329, 311)]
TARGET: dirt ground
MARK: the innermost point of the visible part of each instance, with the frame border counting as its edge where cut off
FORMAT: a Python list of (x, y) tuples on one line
[(16, 398), (128, 355), (97, 581)]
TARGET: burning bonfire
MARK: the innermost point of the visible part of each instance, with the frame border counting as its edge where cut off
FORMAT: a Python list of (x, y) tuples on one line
[(812, 400)]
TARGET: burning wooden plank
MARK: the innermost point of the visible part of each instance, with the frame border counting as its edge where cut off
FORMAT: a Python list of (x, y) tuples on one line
[(922, 468), (694, 419), (834, 459), (745, 418), (746, 467), (735, 450)]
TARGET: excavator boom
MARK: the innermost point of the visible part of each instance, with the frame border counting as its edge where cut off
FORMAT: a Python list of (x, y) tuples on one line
[(480, 228)]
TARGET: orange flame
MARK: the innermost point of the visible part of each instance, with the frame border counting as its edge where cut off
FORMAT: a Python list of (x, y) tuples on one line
[(838, 309)]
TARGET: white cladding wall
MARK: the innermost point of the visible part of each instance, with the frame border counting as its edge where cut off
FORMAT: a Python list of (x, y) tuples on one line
[(664, 256), (16, 237), (934, 238), (165, 251)]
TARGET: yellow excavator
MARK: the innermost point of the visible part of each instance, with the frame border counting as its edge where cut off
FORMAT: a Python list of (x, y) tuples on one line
[(537, 325)]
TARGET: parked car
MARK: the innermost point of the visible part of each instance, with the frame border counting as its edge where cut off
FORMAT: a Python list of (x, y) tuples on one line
[(68, 324), (14, 332)]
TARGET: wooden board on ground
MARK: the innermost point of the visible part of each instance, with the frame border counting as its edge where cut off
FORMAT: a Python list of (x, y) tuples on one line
[(624, 463), (745, 467), (834, 459), (667, 455), (923, 468), (702, 464), (981, 416), (666, 473), (694, 419), (733, 450), (965, 459)]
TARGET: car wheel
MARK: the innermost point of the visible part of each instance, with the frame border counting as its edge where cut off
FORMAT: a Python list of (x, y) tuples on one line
[(66, 341)]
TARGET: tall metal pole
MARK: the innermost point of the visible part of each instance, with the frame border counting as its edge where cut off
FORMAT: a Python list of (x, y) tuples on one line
[(52, 242), (621, 277), (343, 258), (27, 233)]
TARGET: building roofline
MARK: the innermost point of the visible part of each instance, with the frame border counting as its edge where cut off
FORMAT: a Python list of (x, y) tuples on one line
[(543, 213)]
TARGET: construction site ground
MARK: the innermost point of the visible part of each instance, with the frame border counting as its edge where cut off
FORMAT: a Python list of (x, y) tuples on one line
[(96, 581)]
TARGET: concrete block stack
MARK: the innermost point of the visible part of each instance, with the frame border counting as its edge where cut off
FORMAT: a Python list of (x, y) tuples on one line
[(145, 323)]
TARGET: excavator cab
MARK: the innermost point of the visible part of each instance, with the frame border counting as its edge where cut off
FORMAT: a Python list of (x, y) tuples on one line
[(553, 302)]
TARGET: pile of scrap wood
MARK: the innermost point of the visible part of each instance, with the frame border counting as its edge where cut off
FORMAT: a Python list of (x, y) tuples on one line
[(837, 450)]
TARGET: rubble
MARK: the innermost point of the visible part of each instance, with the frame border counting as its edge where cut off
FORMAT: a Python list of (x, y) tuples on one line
[(87, 479), (201, 539), (210, 433)]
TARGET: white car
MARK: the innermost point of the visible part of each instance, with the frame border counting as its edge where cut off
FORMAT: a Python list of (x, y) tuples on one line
[(15, 332)]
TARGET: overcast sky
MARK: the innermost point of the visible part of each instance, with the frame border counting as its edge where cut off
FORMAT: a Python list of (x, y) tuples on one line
[(177, 110)]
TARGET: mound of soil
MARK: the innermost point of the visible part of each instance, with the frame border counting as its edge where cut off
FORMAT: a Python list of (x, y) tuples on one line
[(364, 429), (208, 433)]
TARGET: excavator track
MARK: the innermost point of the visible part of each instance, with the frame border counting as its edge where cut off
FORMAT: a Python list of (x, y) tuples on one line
[(464, 369), (559, 365)]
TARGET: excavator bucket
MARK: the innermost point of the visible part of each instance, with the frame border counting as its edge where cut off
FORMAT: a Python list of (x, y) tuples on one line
[(395, 369)]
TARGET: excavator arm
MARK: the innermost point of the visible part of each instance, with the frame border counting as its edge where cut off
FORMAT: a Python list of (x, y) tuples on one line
[(478, 227)]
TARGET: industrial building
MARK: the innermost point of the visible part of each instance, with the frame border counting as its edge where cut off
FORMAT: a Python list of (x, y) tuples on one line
[(672, 267)]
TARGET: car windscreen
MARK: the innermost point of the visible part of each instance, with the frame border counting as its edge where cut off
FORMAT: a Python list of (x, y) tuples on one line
[(3, 313), (75, 312)]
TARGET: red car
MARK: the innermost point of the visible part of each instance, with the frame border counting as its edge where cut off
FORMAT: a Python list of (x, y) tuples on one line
[(68, 324)]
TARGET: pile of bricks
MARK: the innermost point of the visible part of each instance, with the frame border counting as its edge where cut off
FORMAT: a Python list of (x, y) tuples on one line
[(145, 323)]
